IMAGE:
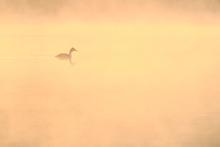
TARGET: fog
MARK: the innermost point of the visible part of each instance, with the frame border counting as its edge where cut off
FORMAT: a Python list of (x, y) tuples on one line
[(146, 73), (105, 10)]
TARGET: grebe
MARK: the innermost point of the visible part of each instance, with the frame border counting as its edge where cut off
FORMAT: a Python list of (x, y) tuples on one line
[(64, 56)]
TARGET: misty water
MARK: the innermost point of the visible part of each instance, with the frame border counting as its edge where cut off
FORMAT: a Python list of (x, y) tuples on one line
[(131, 85)]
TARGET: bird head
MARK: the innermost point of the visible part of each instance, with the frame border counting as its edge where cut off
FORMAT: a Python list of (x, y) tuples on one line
[(72, 49)]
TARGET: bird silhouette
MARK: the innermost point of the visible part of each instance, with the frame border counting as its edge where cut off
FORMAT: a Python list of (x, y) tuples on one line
[(65, 56)]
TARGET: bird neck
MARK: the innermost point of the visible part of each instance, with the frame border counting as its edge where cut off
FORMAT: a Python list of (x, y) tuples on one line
[(70, 53)]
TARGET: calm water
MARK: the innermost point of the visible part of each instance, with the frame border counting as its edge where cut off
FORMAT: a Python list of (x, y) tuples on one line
[(130, 85)]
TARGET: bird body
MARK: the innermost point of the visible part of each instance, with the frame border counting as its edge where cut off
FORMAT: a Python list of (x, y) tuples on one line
[(64, 56)]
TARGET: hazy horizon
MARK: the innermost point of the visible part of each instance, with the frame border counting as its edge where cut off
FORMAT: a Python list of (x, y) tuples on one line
[(110, 11)]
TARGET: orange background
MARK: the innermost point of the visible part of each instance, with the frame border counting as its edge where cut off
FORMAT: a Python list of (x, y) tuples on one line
[(145, 74)]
